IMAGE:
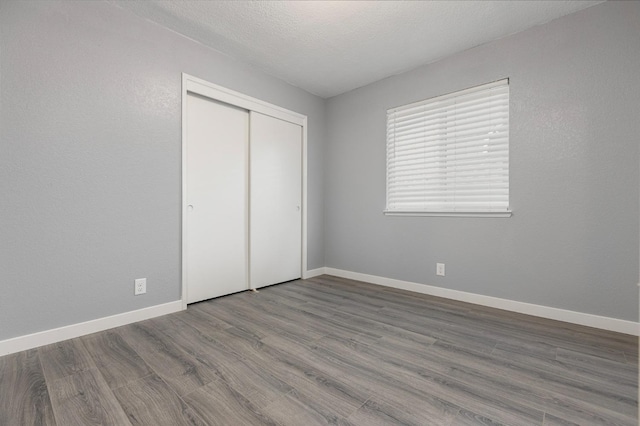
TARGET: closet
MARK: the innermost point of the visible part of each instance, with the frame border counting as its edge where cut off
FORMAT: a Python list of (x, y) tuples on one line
[(243, 211)]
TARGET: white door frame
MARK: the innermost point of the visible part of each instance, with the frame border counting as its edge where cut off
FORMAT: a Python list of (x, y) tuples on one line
[(201, 87)]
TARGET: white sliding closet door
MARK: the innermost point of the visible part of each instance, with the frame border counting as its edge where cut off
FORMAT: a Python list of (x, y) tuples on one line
[(275, 200), (216, 198)]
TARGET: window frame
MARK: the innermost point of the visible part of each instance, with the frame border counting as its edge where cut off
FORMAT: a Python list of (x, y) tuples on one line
[(495, 211)]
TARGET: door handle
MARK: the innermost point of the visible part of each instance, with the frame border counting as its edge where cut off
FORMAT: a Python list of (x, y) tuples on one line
[(298, 208), (190, 207)]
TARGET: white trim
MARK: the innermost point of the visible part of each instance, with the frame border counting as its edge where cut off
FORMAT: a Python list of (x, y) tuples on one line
[(47, 337), (447, 214), (303, 267), (589, 320), (222, 94), (183, 225), (314, 273), (247, 207), (191, 84)]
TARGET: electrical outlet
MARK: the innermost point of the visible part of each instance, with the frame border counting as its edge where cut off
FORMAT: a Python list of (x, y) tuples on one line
[(440, 269), (140, 286)]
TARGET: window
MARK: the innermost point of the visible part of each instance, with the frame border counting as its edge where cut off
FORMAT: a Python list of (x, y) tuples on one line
[(449, 155)]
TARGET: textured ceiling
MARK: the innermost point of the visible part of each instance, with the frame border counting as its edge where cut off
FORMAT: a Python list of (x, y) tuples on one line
[(331, 47)]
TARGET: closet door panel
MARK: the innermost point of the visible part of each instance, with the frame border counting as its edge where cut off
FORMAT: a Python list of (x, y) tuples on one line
[(275, 200), (216, 232)]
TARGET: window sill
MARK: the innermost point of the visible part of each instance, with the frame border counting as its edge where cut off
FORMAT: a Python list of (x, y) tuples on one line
[(448, 214)]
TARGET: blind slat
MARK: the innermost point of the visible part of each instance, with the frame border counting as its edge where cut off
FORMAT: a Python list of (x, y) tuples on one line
[(417, 162), (482, 92), (495, 106), (434, 155)]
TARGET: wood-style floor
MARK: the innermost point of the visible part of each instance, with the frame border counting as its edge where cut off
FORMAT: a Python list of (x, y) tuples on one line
[(328, 350)]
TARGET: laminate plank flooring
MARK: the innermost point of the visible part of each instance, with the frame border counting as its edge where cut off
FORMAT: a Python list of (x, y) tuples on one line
[(118, 362), (328, 350), (150, 401), (64, 359), (84, 398), (24, 396), (184, 372)]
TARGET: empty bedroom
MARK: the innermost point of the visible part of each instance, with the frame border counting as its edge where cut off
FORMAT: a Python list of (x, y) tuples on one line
[(319, 212)]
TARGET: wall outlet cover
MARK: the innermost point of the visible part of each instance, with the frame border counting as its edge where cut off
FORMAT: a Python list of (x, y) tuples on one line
[(140, 286)]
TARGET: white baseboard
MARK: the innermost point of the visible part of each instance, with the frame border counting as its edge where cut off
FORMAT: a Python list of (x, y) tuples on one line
[(605, 323), (47, 337), (313, 273)]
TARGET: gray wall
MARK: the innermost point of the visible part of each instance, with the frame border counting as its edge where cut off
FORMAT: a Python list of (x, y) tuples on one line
[(90, 146), (90, 165), (572, 242)]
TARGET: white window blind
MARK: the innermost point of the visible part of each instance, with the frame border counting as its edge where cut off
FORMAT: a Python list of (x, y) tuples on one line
[(450, 154)]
